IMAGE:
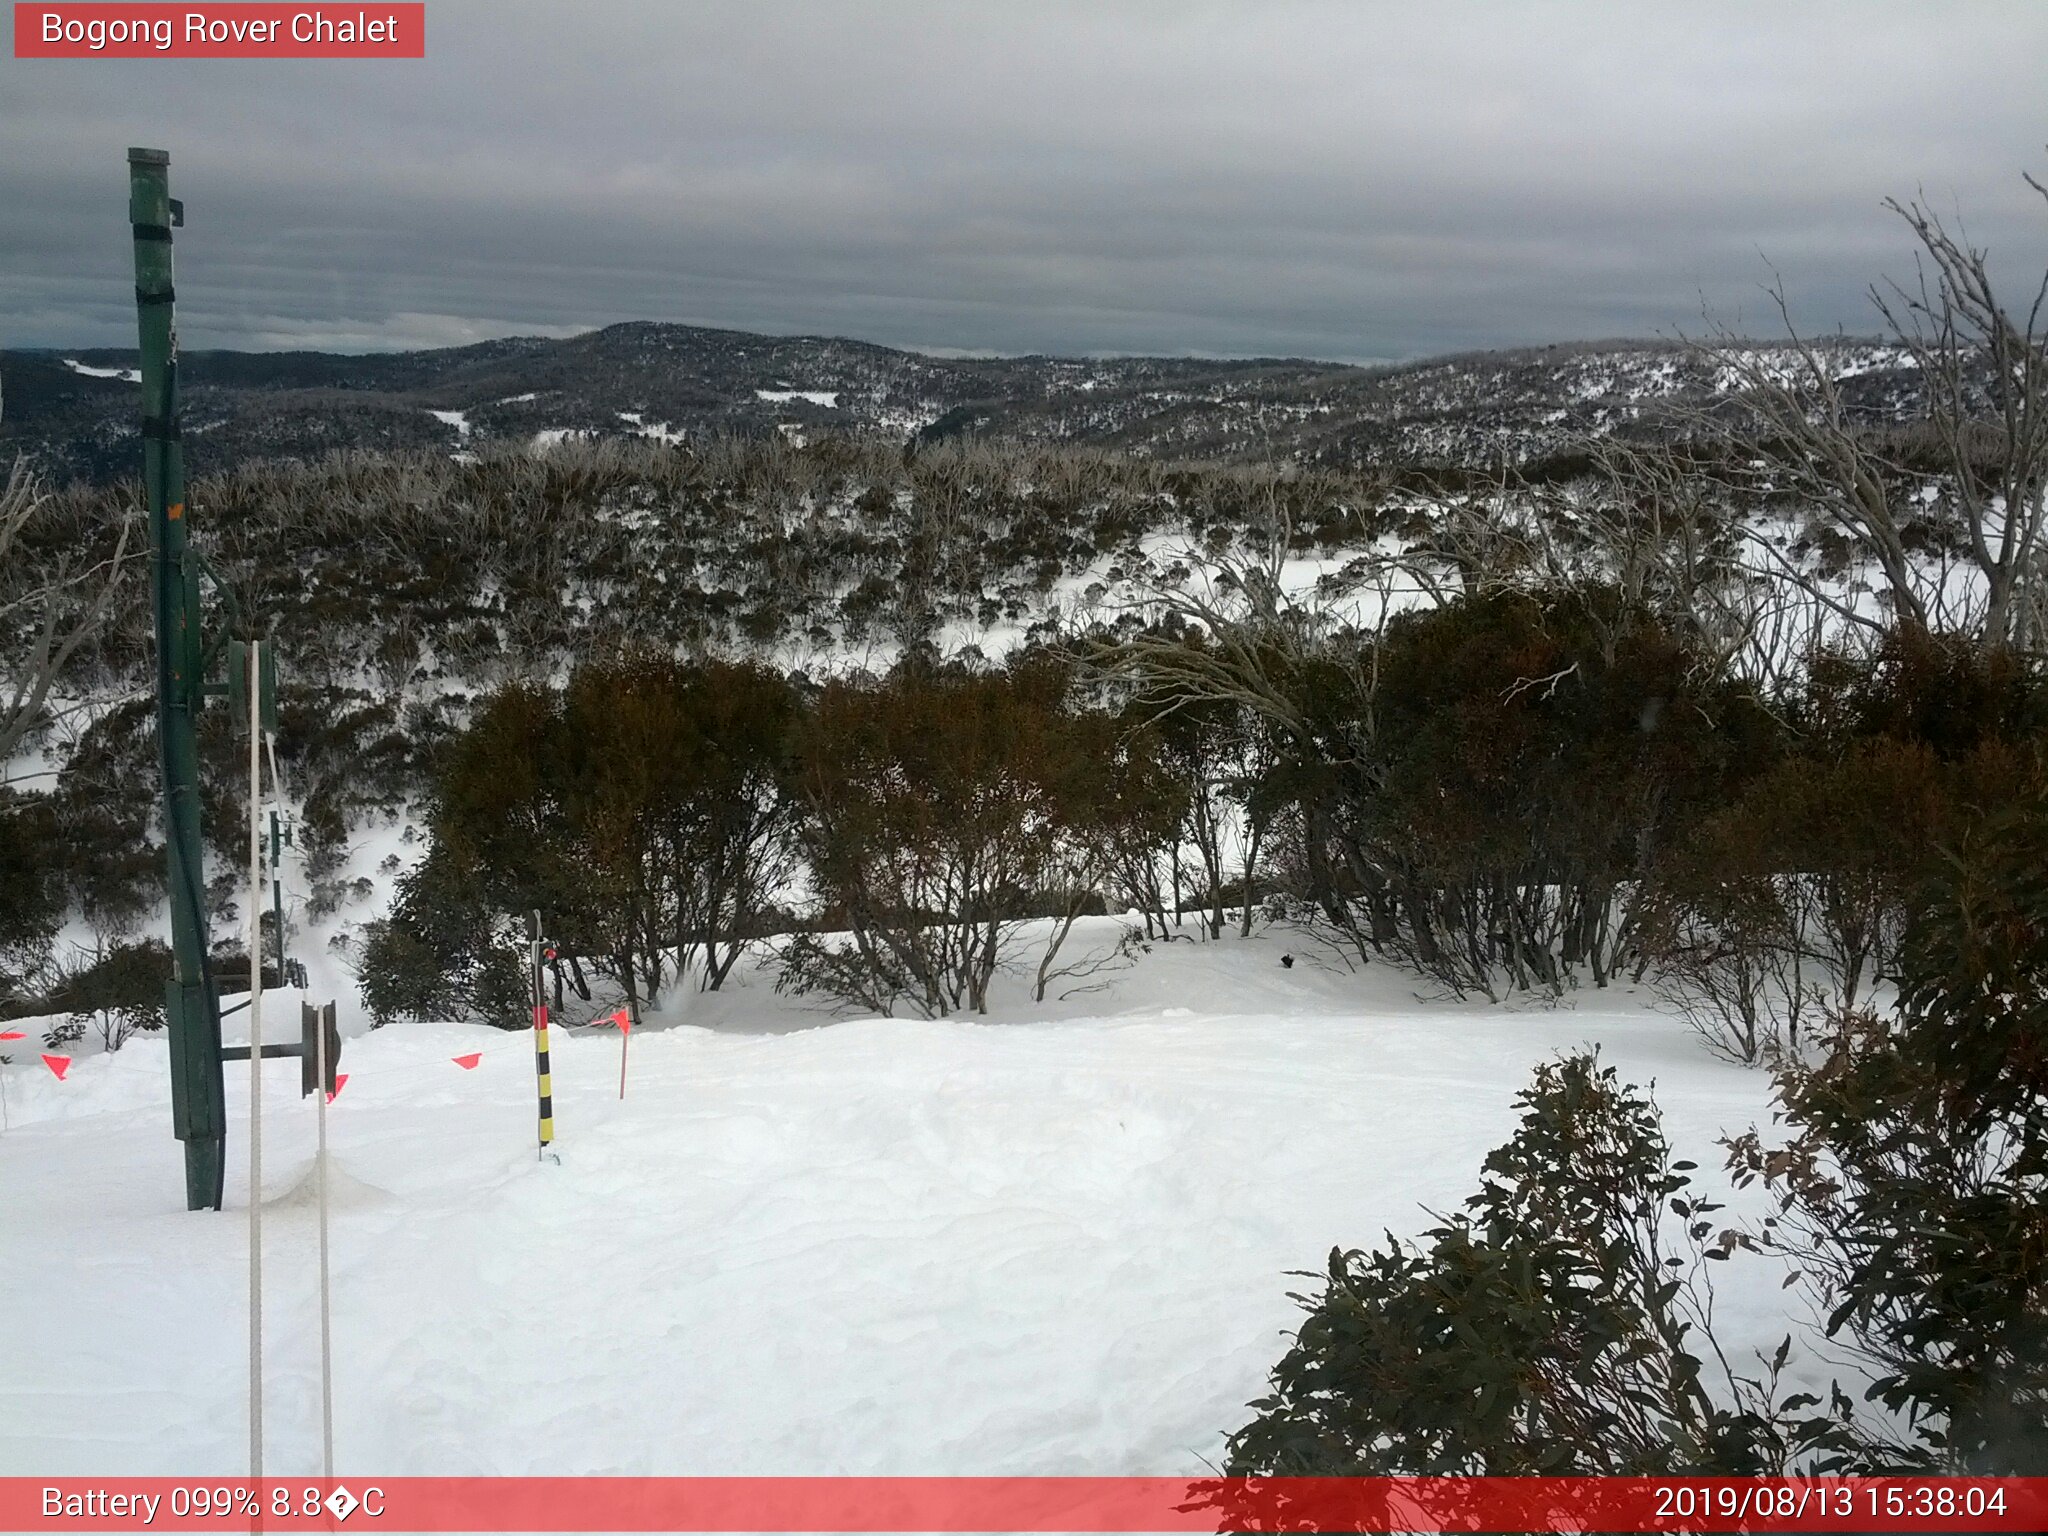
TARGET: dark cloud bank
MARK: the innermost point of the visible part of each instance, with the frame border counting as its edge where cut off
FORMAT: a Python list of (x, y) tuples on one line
[(1342, 180)]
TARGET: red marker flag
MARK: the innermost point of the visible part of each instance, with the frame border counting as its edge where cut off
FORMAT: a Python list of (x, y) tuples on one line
[(468, 1063), (339, 1079), (58, 1064), (13, 1034), (625, 1022)]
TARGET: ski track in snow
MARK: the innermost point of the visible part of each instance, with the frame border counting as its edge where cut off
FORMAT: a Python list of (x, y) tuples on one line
[(1046, 1243)]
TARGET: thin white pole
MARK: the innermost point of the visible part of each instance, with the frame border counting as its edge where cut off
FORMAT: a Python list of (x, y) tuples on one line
[(255, 1065), (326, 1329)]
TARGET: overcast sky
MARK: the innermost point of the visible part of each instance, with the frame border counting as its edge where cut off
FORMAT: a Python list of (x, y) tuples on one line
[(1347, 180)]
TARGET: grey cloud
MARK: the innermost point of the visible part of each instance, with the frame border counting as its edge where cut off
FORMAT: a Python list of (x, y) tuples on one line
[(1345, 180)]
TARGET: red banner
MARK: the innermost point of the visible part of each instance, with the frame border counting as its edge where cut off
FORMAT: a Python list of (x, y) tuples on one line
[(214, 31), (1081, 1504)]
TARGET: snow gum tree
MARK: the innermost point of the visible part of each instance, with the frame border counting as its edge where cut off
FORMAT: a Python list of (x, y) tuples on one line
[(1970, 471), (932, 807), (641, 808)]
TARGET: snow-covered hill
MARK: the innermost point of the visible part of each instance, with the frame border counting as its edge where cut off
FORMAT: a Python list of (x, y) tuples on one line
[(1054, 1241), (670, 382)]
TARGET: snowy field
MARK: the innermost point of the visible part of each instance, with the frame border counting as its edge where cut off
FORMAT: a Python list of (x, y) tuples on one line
[(1055, 1241)]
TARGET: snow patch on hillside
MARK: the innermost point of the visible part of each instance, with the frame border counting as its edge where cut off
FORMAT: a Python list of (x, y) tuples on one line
[(126, 375), (660, 431)]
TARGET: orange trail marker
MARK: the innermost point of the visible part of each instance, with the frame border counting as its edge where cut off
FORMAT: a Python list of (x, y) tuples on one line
[(625, 1022), (468, 1063), (58, 1064), (339, 1079)]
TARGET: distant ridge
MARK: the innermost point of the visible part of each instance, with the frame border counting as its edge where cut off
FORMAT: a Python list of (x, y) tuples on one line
[(681, 382)]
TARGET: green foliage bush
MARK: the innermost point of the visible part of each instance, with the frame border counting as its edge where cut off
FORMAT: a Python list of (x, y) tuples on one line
[(1911, 1187), (445, 951), (1558, 1324)]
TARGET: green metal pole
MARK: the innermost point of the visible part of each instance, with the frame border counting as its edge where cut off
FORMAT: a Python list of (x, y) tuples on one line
[(191, 1005)]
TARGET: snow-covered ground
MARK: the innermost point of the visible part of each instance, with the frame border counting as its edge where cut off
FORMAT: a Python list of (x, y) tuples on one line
[(1054, 1241)]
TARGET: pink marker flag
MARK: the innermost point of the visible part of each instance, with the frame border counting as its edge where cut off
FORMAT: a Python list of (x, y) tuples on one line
[(12, 1034), (340, 1079), (58, 1064), (624, 1020), (468, 1063)]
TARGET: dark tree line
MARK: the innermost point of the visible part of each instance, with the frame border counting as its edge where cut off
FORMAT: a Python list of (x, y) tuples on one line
[(899, 831), (1511, 791), (643, 808)]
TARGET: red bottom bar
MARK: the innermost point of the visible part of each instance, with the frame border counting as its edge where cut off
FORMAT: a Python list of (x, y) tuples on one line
[(1080, 1504)]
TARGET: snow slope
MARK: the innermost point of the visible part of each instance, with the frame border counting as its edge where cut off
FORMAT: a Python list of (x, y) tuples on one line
[(1055, 1242)]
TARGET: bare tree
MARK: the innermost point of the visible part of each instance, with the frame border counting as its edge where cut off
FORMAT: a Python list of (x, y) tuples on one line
[(51, 604), (1986, 380), (1983, 382), (1664, 531), (1228, 631)]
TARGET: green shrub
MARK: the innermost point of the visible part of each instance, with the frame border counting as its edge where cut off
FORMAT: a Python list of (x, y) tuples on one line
[(1911, 1188), (1555, 1326), (120, 993), (443, 953), (31, 889)]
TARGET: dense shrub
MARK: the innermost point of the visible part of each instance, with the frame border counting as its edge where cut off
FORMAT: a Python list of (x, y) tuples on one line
[(31, 890), (1787, 902), (640, 808), (446, 950), (1911, 1186), (1559, 1324), (934, 808), (1503, 794), (117, 993)]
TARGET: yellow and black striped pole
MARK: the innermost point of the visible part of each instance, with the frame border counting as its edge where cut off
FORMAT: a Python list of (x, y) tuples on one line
[(540, 1041)]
